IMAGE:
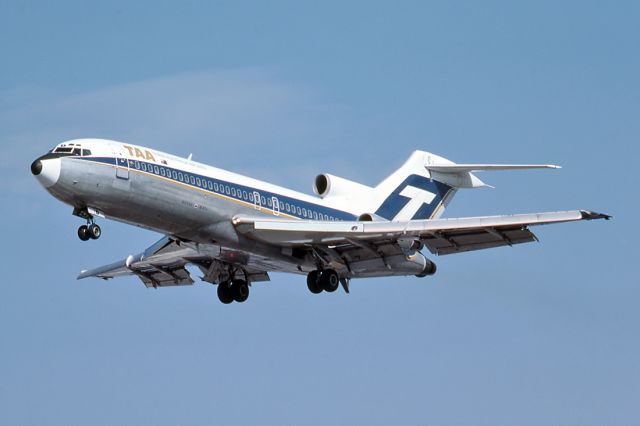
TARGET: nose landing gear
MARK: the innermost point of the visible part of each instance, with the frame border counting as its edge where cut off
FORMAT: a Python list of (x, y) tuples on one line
[(90, 231)]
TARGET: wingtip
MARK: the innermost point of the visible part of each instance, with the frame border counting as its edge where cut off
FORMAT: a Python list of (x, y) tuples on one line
[(589, 215)]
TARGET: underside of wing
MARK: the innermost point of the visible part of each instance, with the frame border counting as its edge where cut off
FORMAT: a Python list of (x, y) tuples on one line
[(442, 236), (164, 265)]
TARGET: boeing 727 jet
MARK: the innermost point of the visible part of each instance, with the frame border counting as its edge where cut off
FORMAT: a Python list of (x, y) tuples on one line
[(237, 230)]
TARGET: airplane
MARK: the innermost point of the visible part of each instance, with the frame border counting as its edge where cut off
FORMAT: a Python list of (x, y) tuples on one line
[(237, 230)]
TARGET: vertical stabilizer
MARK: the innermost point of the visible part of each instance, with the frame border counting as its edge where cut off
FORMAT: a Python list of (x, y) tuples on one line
[(411, 192)]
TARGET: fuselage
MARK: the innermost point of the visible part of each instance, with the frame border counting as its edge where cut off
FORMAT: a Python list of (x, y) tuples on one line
[(171, 195), (191, 201)]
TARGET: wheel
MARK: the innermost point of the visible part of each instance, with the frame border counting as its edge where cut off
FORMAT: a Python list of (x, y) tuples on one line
[(329, 280), (94, 231), (83, 233), (240, 290), (224, 292), (312, 282)]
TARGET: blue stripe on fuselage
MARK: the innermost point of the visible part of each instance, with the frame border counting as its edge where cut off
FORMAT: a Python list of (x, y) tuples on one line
[(294, 203)]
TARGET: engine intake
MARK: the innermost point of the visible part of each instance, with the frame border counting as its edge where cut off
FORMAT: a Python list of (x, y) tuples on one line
[(326, 185)]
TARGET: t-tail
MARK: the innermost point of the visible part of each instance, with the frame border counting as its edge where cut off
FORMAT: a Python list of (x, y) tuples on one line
[(426, 183)]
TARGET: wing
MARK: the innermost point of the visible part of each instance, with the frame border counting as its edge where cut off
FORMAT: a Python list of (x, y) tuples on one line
[(164, 264), (442, 236)]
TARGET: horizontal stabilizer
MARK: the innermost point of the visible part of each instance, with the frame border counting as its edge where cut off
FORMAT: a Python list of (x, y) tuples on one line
[(463, 168)]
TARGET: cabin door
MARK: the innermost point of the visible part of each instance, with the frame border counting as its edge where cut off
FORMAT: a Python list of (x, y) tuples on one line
[(122, 167)]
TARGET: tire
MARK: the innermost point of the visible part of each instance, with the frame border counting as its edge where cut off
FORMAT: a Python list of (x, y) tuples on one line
[(94, 231), (313, 283), (240, 290), (83, 233), (224, 293), (329, 280)]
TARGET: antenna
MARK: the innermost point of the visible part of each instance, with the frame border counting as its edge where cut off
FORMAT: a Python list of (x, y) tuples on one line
[(189, 157)]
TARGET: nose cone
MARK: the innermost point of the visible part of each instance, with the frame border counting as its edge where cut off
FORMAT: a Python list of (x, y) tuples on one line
[(36, 167), (46, 170)]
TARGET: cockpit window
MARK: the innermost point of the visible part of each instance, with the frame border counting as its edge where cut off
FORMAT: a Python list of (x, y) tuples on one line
[(64, 150), (70, 150)]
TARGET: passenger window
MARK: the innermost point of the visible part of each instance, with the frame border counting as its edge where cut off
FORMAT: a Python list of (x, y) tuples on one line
[(215, 187), (304, 212), (251, 197), (227, 190), (244, 194), (315, 215), (198, 181), (299, 211), (210, 185), (193, 180), (175, 175), (233, 192), (269, 202), (155, 169), (162, 171), (144, 167)]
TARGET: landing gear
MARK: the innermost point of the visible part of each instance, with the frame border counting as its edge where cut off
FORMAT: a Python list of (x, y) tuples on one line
[(236, 290), (90, 231), (240, 290), (94, 231), (224, 292), (327, 280), (313, 283), (83, 233)]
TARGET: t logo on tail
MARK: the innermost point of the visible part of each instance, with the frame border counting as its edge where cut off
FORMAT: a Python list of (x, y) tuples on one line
[(417, 197)]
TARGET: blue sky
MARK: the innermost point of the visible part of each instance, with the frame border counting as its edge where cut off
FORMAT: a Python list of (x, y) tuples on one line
[(537, 334)]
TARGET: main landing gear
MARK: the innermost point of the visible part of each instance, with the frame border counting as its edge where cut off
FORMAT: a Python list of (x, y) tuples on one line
[(326, 279), (234, 290), (90, 231)]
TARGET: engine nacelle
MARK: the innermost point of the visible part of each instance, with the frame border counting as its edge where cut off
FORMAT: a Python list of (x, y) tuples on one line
[(429, 269), (326, 185), (370, 217)]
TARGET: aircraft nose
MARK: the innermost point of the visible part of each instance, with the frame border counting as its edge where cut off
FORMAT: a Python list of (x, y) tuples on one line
[(47, 170), (36, 167)]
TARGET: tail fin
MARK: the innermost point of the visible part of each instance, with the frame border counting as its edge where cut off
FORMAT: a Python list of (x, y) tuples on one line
[(426, 183)]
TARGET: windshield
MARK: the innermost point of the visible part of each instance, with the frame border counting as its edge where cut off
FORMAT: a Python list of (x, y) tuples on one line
[(70, 150)]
